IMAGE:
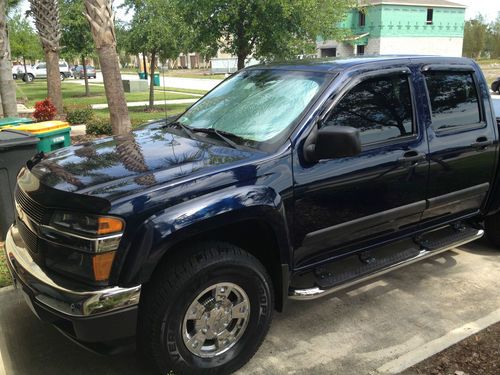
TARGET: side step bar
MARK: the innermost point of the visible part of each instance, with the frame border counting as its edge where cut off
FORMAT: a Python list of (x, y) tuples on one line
[(428, 250)]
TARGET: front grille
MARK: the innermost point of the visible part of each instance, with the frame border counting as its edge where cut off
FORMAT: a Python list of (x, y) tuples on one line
[(34, 210), (30, 239)]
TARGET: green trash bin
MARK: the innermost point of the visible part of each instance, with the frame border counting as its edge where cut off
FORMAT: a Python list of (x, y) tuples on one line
[(14, 121), (156, 79), (53, 135), (143, 75)]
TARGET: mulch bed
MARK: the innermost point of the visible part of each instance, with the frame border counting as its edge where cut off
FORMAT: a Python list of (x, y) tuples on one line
[(476, 355)]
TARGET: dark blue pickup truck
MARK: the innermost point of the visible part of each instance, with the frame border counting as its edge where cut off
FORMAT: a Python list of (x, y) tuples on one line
[(285, 181)]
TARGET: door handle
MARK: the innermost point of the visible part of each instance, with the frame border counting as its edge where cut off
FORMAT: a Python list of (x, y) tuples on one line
[(482, 143), (411, 157)]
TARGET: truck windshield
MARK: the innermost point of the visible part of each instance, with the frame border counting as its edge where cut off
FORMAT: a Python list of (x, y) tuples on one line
[(256, 105)]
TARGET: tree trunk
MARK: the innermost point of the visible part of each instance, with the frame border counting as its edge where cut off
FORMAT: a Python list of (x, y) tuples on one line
[(24, 65), (7, 85), (241, 61), (54, 80), (144, 65), (152, 81), (99, 13), (120, 121), (86, 79)]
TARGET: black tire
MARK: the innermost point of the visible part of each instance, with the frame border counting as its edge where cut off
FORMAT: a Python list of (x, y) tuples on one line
[(492, 228), (177, 283), (28, 77), (14, 76)]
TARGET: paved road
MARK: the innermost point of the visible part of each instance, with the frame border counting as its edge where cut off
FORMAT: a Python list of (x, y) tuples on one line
[(352, 332)]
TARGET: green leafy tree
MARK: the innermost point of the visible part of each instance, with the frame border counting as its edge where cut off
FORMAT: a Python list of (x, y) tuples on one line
[(266, 29), (493, 39), (76, 36), (24, 42), (156, 30), (475, 34)]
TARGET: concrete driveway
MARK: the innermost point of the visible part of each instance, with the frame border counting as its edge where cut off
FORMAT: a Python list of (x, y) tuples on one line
[(378, 327)]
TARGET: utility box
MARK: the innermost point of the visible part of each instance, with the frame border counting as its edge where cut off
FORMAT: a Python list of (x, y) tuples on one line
[(135, 86), (16, 147)]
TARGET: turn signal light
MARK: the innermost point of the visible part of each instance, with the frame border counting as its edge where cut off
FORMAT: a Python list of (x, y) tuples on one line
[(109, 225), (101, 264)]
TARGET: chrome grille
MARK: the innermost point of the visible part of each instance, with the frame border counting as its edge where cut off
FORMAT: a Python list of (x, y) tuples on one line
[(29, 238), (31, 208)]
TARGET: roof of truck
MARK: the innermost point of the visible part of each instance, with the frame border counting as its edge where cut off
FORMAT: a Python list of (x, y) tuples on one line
[(333, 64)]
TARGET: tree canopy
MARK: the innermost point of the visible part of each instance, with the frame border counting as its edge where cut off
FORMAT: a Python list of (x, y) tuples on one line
[(24, 42), (267, 29)]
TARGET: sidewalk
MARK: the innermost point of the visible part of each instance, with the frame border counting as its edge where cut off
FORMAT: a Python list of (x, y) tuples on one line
[(145, 103)]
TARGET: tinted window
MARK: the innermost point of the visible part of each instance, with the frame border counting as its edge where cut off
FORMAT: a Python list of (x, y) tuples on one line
[(453, 99), (380, 108)]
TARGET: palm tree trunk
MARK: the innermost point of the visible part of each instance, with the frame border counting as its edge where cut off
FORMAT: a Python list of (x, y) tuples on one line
[(46, 14), (7, 85), (100, 16), (54, 92), (152, 81), (85, 78)]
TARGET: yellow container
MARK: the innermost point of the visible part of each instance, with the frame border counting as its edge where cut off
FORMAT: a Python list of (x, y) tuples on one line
[(43, 127)]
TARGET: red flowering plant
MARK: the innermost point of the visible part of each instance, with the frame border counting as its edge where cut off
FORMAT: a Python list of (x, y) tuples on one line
[(44, 110)]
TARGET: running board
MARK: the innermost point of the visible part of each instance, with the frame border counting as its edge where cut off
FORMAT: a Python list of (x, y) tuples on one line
[(461, 238)]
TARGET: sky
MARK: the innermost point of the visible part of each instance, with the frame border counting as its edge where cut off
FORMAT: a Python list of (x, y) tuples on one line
[(488, 8)]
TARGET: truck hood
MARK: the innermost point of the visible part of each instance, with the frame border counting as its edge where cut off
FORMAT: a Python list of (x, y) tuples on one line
[(115, 166)]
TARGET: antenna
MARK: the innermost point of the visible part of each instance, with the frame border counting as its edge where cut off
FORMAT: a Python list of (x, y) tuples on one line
[(164, 91)]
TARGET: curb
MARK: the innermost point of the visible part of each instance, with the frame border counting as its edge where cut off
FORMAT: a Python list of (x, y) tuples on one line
[(438, 345)]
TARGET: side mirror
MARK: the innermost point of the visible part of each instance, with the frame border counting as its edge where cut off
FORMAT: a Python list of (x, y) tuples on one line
[(332, 142)]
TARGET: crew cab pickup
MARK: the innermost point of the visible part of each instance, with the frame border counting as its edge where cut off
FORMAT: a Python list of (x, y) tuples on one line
[(285, 181)]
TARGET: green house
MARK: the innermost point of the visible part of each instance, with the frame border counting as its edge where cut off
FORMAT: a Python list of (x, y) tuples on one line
[(385, 27)]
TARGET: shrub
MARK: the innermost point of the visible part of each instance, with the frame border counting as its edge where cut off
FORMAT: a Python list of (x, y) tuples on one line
[(79, 115), (98, 126), (44, 110)]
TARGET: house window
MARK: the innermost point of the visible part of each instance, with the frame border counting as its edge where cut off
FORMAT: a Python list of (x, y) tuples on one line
[(362, 19), (430, 13), (328, 52), (360, 50)]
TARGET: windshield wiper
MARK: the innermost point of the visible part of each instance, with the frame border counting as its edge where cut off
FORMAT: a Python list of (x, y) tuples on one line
[(186, 128), (220, 134)]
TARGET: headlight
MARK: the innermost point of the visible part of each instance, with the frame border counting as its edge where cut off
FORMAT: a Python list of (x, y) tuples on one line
[(86, 244), (86, 225)]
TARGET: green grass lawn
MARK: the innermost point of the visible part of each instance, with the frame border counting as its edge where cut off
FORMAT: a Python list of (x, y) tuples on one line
[(140, 115), (4, 272), (74, 94), (187, 91), (181, 73)]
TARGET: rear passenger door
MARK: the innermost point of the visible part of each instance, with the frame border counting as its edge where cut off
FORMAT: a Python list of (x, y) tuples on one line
[(462, 145)]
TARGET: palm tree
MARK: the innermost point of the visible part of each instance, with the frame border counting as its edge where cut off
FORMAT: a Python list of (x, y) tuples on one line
[(100, 16), (48, 25), (8, 103)]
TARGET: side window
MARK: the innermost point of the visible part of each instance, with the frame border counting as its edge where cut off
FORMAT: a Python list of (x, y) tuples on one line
[(379, 107), (41, 66), (454, 100)]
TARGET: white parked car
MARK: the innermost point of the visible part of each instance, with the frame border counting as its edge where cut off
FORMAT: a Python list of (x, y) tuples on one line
[(40, 71)]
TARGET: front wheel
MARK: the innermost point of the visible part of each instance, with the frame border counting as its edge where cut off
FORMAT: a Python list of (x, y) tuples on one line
[(63, 77), (207, 312)]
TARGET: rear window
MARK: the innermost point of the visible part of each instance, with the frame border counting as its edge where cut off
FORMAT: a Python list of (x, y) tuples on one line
[(454, 100)]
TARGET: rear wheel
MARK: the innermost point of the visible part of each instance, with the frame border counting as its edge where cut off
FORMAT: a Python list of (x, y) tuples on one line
[(63, 77), (207, 312), (28, 77)]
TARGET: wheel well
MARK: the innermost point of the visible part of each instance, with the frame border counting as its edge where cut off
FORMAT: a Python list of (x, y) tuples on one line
[(255, 236)]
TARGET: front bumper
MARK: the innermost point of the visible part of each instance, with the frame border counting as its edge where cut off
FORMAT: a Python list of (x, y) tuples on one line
[(87, 316)]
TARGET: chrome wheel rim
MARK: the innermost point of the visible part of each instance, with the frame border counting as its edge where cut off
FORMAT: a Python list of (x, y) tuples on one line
[(216, 320)]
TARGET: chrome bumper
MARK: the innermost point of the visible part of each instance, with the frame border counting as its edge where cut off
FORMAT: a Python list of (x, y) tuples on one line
[(47, 292)]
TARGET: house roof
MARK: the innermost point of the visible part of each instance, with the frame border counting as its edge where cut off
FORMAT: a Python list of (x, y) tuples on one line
[(426, 3)]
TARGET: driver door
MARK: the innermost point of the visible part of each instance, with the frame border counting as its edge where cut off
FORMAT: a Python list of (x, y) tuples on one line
[(342, 202)]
